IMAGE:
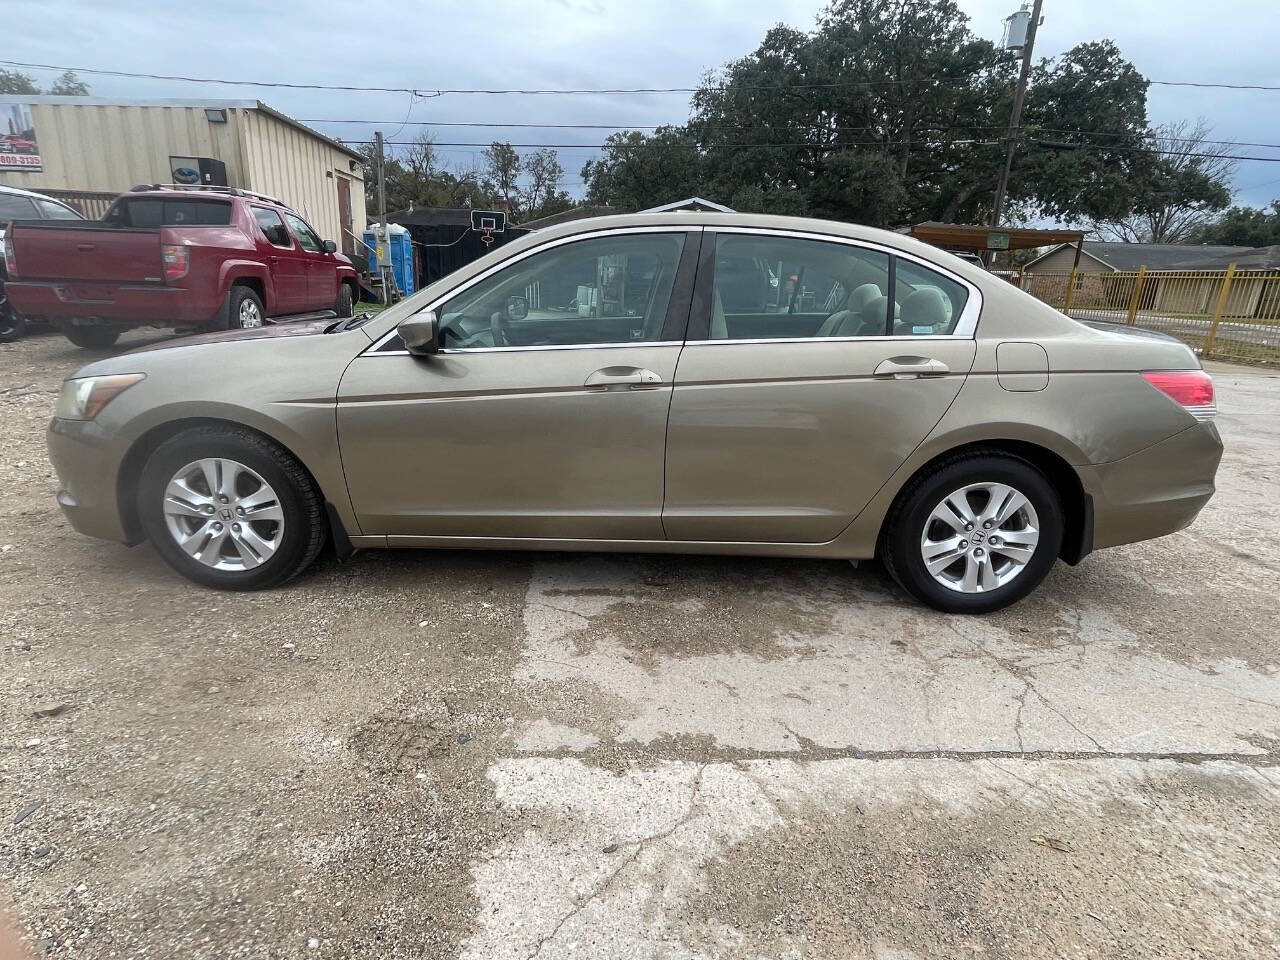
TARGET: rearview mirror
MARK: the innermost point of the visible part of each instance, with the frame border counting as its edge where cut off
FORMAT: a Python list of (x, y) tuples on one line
[(517, 308), (421, 333), (330, 247)]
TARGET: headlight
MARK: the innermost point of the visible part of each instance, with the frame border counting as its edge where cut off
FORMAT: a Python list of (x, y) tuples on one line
[(84, 398)]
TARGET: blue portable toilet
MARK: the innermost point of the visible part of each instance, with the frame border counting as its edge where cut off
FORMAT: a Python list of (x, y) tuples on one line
[(400, 246)]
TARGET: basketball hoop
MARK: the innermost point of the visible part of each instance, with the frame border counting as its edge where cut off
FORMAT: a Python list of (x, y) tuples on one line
[(487, 223)]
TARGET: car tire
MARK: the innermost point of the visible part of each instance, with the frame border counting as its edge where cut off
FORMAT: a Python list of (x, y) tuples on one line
[(92, 338), (345, 307), (249, 470), (928, 518), (13, 326), (244, 310)]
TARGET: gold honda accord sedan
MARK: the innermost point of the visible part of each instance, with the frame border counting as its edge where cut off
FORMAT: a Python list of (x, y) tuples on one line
[(678, 383)]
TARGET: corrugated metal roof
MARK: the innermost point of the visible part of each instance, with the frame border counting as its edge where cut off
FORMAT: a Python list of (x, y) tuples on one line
[(197, 104)]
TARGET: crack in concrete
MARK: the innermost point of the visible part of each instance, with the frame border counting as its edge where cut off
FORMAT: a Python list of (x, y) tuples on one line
[(812, 752), (1021, 674), (608, 881)]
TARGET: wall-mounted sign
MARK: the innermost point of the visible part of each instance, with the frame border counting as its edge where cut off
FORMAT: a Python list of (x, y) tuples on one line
[(997, 241), (18, 147)]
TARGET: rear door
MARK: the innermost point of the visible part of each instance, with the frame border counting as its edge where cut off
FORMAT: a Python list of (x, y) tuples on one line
[(806, 384), (287, 261), (544, 415), (322, 269)]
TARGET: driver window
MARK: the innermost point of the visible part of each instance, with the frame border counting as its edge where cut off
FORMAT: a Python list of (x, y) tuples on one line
[(771, 287), (611, 289)]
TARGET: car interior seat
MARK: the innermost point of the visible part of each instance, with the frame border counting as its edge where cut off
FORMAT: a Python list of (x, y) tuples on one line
[(847, 322), (925, 311)]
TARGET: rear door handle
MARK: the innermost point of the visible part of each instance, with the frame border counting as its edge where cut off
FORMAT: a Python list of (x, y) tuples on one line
[(632, 378), (909, 368), (84, 247)]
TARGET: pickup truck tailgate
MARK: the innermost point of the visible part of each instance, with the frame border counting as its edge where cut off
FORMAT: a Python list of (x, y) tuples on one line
[(86, 253)]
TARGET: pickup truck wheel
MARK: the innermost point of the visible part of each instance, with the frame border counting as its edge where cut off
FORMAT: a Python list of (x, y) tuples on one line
[(12, 324), (229, 509), (244, 309), (345, 307), (92, 338)]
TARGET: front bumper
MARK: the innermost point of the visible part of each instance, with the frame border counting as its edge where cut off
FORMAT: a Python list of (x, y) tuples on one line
[(87, 464), (1156, 491)]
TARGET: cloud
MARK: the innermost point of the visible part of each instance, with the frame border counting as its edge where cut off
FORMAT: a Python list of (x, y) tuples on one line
[(588, 43)]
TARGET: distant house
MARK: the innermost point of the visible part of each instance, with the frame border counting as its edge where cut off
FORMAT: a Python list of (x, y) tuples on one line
[(1106, 256), (1183, 278), (692, 203)]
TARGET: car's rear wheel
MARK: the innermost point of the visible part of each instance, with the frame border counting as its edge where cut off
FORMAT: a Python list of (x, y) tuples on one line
[(244, 309), (12, 324), (975, 534), (92, 338), (345, 307), (230, 509)]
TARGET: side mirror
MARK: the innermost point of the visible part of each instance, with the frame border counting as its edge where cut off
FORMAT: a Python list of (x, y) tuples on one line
[(421, 333), (517, 308), (330, 247)]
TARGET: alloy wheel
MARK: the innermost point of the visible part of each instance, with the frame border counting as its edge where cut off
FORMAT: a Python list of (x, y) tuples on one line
[(223, 514), (980, 537), (250, 315)]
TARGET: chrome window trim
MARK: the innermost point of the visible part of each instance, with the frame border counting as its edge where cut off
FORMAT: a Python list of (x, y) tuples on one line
[(373, 348), (966, 327), (552, 346)]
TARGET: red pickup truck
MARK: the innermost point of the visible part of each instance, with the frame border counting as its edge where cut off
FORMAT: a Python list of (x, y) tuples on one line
[(196, 259)]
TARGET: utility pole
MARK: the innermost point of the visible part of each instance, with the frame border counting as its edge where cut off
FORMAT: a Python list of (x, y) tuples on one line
[(1015, 116), (383, 243)]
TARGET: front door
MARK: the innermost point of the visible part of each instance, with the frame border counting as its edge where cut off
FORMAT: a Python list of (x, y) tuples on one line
[(322, 269), (820, 368), (287, 262), (544, 415)]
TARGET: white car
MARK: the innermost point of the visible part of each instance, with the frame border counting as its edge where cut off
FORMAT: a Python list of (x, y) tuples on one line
[(19, 204)]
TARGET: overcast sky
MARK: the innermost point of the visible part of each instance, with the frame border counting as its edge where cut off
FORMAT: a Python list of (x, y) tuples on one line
[(594, 44)]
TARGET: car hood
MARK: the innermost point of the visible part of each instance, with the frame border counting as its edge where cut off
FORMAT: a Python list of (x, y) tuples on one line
[(271, 331)]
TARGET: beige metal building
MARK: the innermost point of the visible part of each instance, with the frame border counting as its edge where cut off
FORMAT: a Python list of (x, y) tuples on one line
[(86, 150)]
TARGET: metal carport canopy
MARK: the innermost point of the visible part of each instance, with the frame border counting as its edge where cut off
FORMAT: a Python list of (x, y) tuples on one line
[(959, 236)]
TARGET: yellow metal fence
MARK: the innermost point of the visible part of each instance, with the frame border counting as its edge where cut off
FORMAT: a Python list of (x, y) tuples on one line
[(1225, 314)]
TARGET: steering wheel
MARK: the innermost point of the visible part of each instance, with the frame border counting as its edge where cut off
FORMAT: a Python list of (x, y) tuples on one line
[(498, 327)]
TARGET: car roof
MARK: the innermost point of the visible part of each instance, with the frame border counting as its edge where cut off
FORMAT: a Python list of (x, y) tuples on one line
[(712, 220), (19, 191)]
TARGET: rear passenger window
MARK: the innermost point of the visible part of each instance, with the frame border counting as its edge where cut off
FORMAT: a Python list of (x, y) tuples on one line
[(927, 303), (770, 287), (16, 208), (272, 227), (150, 212)]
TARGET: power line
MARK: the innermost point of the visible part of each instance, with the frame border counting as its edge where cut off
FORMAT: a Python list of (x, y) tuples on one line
[(603, 91), (638, 126), (649, 144)]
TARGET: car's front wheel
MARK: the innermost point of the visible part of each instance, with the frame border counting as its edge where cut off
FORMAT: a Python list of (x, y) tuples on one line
[(230, 509), (345, 305), (977, 533)]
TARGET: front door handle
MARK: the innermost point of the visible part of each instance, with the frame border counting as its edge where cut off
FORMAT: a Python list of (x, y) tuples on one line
[(909, 368), (631, 378)]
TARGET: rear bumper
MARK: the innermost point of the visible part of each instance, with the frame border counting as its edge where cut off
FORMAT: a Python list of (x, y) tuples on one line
[(84, 458), (137, 304), (1156, 491)]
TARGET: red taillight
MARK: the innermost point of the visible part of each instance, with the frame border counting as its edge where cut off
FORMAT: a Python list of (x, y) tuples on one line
[(1192, 389), (176, 261), (10, 261)]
